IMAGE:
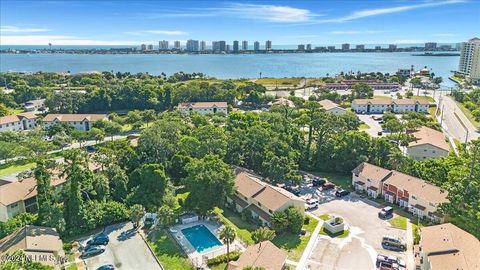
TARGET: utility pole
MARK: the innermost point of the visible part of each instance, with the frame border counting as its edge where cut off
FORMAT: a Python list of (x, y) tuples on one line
[(441, 117), (466, 137)]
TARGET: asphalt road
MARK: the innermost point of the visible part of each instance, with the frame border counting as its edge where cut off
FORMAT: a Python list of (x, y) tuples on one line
[(126, 250)]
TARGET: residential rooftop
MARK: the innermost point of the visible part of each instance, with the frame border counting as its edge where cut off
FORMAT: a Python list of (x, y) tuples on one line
[(425, 135), (16, 117), (264, 254), (74, 117)]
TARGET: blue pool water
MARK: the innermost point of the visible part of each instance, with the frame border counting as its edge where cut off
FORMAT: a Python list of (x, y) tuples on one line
[(201, 238)]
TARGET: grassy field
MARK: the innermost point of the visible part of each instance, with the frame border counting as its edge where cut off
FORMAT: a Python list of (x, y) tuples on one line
[(244, 229), (221, 266), (398, 222), (428, 98), (280, 82), (294, 244), (17, 166), (342, 180), (324, 216), (364, 126), (167, 251), (469, 115)]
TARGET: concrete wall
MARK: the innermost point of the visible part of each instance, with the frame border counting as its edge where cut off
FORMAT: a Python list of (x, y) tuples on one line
[(425, 151)]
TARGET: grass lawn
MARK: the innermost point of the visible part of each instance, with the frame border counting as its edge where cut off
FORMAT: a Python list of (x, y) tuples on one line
[(167, 251), (428, 98), (244, 229), (339, 235), (342, 180), (295, 244), (416, 236), (469, 115), (17, 166), (279, 81), (364, 126), (431, 111), (221, 266), (15, 111), (381, 97), (324, 216), (399, 222)]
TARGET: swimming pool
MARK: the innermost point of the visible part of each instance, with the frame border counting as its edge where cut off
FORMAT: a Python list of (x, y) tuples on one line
[(201, 238)]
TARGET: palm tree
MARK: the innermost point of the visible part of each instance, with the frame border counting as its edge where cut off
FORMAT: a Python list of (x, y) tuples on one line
[(262, 234), (137, 211), (227, 235)]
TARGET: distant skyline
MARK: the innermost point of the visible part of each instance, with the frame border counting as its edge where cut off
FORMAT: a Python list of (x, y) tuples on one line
[(283, 22)]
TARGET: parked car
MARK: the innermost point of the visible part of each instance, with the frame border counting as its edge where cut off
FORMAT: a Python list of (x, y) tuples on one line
[(379, 133), (294, 190), (393, 243), (93, 250), (385, 212), (328, 185), (311, 204), (318, 182), (390, 260), (100, 239), (90, 148), (341, 192), (106, 267)]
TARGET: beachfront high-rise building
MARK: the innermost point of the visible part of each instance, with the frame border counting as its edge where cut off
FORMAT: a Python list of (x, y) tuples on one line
[(378, 48), (215, 46), (244, 45), (470, 60), (360, 47), (256, 46), (227, 49), (203, 45), (309, 47), (392, 47), (345, 47), (176, 45), (430, 46), (235, 46), (331, 48), (143, 47), (163, 45), (192, 45), (268, 45), (301, 47), (150, 47), (222, 45)]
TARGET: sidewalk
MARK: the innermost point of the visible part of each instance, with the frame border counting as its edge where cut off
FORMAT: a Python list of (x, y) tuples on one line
[(311, 243), (410, 258)]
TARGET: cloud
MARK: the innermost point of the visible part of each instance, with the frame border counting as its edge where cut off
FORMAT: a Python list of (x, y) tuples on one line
[(409, 41), (15, 29), (444, 35), (267, 12), (158, 32), (59, 40), (355, 32), (381, 11)]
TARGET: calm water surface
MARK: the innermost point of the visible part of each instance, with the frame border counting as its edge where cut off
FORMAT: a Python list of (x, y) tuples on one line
[(232, 66)]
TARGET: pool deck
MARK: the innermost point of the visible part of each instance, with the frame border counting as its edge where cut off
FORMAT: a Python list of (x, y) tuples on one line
[(199, 259)]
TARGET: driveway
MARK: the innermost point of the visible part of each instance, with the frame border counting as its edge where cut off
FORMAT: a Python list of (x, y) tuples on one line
[(126, 250), (360, 248), (374, 126)]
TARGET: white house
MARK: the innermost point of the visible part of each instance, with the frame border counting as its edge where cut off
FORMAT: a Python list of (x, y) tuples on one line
[(428, 143), (18, 122), (331, 107), (203, 107), (393, 105), (34, 105), (78, 121)]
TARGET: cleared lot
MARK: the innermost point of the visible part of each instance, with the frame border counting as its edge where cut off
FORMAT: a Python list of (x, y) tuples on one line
[(360, 248), (126, 250)]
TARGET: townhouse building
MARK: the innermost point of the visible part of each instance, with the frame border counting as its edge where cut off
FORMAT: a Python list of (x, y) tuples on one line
[(261, 198), (82, 122), (203, 107), (414, 194), (18, 122), (428, 143), (264, 255), (331, 107), (381, 106)]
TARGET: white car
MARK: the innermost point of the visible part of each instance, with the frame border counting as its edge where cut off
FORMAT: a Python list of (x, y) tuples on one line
[(311, 204)]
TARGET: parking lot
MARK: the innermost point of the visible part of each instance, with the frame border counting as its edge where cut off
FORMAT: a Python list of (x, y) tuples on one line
[(126, 250), (360, 248)]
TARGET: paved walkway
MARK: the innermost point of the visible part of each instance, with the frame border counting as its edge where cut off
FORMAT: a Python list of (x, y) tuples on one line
[(311, 243), (410, 258)]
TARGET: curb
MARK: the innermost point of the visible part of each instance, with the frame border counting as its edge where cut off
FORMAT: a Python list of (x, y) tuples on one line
[(151, 251)]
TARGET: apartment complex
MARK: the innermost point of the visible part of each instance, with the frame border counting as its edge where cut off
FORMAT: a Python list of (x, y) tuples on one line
[(428, 143), (392, 105), (264, 255), (82, 122), (331, 107), (261, 198), (193, 45), (41, 244), (470, 60), (18, 122), (163, 45), (446, 247), (203, 107), (348, 85), (414, 194), (268, 45)]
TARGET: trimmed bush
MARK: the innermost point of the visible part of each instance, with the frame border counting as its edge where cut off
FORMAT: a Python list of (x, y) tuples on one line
[(223, 258)]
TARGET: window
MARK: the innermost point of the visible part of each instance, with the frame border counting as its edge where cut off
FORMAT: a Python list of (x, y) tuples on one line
[(259, 204), (270, 211), (368, 180), (413, 197), (14, 205), (432, 204)]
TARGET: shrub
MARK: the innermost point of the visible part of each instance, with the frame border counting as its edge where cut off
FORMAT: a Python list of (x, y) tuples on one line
[(306, 221), (223, 258)]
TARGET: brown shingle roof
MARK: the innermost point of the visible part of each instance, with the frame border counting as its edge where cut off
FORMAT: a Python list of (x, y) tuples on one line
[(382, 101), (425, 135), (449, 247), (219, 104), (23, 189), (417, 187), (32, 238), (264, 254), (328, 104), (371, 171), (17, 117), (74, 117)]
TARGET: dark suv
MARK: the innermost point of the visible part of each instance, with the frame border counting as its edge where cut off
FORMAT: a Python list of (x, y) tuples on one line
[(318, 182), (342, 192), (386, 212), (100, 239)]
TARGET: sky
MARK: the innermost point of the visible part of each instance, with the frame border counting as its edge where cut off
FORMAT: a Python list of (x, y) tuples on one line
[(317, 22)]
